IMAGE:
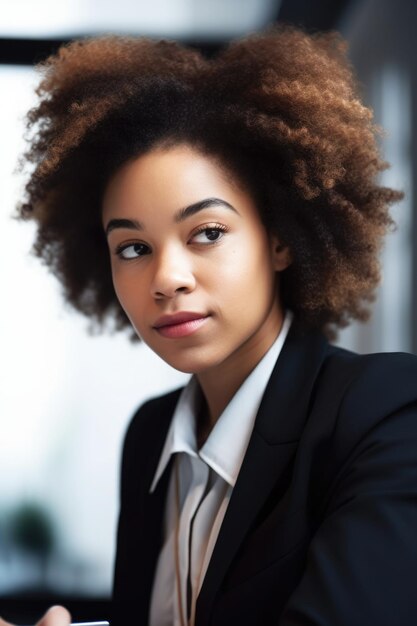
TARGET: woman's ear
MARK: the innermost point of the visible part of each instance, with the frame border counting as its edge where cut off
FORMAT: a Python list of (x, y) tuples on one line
[(281, 256)]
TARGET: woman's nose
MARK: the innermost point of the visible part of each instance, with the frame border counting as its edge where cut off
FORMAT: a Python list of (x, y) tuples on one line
[(172, 275)]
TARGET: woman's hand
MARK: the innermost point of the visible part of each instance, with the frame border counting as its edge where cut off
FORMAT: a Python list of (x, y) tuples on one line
[(55, 616)]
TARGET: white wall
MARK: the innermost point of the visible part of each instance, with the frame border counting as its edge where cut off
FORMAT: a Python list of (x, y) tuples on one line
[(65, 396)]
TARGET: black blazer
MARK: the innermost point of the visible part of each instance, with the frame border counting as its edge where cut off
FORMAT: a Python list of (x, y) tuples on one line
[(321, 528)]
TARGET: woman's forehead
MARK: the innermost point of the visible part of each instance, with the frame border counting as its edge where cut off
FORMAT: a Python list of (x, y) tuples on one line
[(177, 176)]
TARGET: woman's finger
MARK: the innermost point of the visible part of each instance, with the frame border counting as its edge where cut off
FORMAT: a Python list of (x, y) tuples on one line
[(4, 623), (55, 616)]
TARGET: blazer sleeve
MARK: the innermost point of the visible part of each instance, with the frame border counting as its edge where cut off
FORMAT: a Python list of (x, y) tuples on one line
[(361, 565)]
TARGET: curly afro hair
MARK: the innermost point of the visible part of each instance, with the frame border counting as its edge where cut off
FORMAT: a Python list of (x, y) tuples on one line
[(281, 111)]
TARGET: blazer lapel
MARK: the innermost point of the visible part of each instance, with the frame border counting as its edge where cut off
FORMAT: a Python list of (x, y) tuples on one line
[(278, 427), (152, 537), (142, 522)]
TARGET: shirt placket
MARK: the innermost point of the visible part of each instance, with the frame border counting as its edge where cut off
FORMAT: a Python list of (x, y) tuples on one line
[(199, 478)]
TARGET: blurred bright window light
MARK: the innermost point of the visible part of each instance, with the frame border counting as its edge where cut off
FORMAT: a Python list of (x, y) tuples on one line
[(171, 18), (65, 400)]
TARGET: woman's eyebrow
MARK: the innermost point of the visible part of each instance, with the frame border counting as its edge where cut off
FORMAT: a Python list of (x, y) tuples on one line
[(123, 223), (179, 216), (188, 211)]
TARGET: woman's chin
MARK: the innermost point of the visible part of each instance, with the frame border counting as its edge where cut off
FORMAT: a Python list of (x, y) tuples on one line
[(189, 364)]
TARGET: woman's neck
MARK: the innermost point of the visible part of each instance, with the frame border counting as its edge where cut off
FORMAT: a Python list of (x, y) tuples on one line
[(219, 384)]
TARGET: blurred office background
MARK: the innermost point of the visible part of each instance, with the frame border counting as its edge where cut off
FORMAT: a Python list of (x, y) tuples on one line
[(66, 396)]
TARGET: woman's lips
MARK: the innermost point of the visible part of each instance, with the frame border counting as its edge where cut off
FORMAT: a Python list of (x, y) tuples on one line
[(182, 329)]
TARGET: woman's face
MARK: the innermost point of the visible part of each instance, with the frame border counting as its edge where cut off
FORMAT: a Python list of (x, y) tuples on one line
[(192, 264)]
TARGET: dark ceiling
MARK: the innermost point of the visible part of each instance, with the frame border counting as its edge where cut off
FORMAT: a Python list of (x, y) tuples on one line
[(315, 14), (311, 14)]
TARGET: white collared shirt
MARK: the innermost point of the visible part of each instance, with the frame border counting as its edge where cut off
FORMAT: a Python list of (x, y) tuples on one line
[(206, 478)]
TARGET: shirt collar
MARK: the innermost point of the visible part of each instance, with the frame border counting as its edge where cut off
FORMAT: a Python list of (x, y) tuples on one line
[(226, 445)]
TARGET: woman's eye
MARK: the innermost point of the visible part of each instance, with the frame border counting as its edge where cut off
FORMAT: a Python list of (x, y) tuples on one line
[(132, 251), (209, 235)]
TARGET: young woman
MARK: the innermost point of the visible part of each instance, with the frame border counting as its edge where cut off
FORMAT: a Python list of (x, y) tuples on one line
[(229, 211)]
